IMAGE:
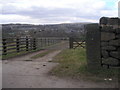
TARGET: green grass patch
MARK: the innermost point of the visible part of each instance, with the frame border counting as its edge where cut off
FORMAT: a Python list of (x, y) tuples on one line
[(73, 64), (41, 54), (11, 55)]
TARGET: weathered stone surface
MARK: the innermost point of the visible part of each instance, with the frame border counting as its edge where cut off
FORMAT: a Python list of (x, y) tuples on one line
[(118, 36), (93, 46), (119, 22), (108, 28), (110, 40), (109, 48), (106, 36), (105, 54), (113, 21), (118, 30), (104, 20), (119, 49), (111, 61), (115, 54), (115, 42), (104, 43)]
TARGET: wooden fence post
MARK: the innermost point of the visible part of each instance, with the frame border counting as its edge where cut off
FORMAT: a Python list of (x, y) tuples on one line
[(70, 42), (52, 40), (55, 40), (48, 42), (27, 44), (31, 44), (34, 44), (4, 47), (41, 43), (17, 45)]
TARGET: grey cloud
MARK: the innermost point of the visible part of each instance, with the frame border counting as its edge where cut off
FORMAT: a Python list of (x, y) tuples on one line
[(47, 14), (36, 11)]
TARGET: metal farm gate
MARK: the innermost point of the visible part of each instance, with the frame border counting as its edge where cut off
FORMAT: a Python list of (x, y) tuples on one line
[(75, 42)]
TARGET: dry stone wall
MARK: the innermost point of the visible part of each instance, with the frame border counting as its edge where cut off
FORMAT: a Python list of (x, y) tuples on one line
[(110, 41)]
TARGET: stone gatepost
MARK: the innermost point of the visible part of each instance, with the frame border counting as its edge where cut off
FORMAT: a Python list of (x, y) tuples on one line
[(93, 46), (103, 43)]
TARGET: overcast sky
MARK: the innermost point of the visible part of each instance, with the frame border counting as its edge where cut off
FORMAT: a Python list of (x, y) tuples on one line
[(119, 9), (56, 11)]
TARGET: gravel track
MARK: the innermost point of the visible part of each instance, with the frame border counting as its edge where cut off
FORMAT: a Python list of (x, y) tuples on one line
[(19, 73)]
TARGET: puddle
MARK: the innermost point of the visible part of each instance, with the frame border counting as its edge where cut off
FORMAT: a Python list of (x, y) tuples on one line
[(44, 65), (49, 61), (28, 60)]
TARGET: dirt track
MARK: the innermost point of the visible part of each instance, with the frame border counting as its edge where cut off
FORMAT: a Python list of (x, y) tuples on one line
[(18, 73)]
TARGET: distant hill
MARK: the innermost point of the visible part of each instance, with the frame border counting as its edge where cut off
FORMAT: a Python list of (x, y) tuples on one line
[(59, 30)]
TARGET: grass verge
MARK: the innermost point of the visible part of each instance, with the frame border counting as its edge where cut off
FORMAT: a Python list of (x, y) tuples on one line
[(73, 64), (11, 55)]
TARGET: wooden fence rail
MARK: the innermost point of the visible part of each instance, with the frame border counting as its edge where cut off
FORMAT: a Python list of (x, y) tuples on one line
[(16, 45)]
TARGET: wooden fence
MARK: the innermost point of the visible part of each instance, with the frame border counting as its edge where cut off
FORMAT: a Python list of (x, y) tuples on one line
[(16, 45)]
